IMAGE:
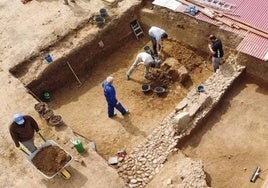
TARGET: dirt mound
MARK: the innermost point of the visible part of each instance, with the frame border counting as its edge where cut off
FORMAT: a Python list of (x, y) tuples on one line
[(50, 159)]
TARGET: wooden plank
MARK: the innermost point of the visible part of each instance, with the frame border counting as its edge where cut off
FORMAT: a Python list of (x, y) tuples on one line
[(238, 23)]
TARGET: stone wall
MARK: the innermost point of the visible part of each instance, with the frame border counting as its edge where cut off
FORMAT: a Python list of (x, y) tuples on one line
[(148, 158)]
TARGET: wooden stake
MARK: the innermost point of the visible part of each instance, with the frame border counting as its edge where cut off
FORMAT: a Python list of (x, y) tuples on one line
[(80, 83)]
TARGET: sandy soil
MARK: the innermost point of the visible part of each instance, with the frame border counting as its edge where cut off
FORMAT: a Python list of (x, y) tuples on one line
[(84, 108), (224, 142), (232, 143)]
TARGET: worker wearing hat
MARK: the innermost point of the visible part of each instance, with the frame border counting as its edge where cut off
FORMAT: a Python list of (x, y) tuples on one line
[(22, 131), (110, 95)]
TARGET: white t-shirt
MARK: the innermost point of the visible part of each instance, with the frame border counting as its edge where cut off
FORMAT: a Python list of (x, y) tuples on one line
[(145, 57), (156, 32)]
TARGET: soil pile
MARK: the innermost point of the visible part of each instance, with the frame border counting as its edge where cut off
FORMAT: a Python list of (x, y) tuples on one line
[(50, 159)]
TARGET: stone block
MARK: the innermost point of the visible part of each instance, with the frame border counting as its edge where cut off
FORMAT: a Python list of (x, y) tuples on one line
[(184, 74), (202, 101), (171, 62), (193, 109), (181, 105), (182, 120)]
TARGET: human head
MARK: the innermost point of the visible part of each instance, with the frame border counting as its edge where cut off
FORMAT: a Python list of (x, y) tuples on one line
[(18, 118), (164, 36), (109, 79), (212, 37)]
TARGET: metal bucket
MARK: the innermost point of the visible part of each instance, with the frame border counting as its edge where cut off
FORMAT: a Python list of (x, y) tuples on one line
[(145, 87), (48, 58), (103, 12), (159, 90), (99, 20), (200, 88)]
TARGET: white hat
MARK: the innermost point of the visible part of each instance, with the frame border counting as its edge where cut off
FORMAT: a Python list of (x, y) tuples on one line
[(18, 118)]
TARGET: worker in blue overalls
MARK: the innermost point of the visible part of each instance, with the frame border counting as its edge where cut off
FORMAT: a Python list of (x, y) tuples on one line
[(110, 95)]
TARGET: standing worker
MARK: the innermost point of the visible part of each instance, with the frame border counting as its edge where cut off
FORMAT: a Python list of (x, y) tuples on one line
[(110, 95), (142, 58), (216, 51), (22, 131), (157, 35)]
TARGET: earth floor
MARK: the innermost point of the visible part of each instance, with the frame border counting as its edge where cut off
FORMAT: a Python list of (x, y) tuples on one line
[(232, 142), (85, 109)]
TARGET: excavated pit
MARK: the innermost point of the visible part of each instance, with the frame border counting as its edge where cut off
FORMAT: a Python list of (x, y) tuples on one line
[(84, 108)]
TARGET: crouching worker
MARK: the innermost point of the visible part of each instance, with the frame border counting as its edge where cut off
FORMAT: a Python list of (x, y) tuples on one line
[(142, 58), (22, 131)]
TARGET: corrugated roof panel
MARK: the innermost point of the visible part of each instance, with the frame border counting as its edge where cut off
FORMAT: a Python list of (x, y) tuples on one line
[(254, 12), (254, 45)]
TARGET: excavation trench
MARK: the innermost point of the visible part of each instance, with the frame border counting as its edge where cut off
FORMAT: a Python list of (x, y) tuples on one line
[(84, 108)]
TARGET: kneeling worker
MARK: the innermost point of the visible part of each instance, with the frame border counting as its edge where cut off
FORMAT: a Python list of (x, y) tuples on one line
[(142, 58)]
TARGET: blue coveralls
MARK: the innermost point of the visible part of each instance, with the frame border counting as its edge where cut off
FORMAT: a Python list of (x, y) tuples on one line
[(110, 95)]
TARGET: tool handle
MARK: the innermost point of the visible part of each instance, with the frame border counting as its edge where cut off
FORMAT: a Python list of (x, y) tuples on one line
[(42, 137), (25, 151)]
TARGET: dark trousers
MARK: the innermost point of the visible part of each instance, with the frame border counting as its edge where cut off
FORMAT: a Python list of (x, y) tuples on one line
[(154, 45), (118, 106)]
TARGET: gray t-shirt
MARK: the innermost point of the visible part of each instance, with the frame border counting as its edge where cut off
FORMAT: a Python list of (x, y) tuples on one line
[(145, 57), (156, 32)]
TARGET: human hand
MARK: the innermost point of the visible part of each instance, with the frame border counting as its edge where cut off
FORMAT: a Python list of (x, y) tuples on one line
[(19, 148)]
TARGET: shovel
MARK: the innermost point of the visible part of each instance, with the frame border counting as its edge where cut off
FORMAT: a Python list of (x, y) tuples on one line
[(42, 137)]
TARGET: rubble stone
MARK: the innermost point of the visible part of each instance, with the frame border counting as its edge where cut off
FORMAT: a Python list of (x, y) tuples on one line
[(148, 157)]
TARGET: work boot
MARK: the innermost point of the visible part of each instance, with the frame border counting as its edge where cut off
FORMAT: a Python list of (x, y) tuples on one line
[(126, 113), (127, 77), (113, 115)]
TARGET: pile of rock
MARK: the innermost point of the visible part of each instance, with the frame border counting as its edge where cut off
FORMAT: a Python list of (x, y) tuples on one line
[(48, 114)]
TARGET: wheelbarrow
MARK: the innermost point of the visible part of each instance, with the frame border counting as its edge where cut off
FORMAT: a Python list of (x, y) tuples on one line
[(62, 171)]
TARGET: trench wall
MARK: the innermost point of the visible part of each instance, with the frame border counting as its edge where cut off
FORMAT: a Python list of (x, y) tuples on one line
[(188, 30), (83, 58), (195, 33), (185, 29), (148, 158)]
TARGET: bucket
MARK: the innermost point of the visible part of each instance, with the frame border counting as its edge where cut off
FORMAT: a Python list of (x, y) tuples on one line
[(200, 88), (78, 146), (46, 96), (145, 88), (48, 58), (99, 20), (103, 12)]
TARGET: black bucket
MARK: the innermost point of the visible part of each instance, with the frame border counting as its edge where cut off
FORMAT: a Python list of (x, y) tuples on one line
[(99, 20), (145, 88), (159, 90), (103, 12)]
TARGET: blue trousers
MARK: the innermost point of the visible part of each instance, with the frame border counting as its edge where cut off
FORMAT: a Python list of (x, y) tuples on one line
[(118, 106)]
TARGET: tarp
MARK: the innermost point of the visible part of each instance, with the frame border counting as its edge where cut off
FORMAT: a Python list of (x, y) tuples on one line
[(170, 4)]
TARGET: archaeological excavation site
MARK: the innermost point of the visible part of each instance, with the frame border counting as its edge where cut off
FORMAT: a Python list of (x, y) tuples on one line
[(187, 123)]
